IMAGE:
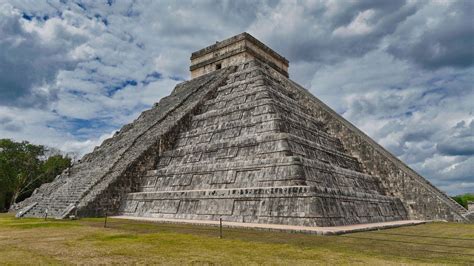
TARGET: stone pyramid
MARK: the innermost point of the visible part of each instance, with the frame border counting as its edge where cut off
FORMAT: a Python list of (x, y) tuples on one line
[(242, 142)]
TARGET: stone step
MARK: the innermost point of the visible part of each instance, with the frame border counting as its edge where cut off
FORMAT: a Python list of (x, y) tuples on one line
[(251, 140), (229, 133), (307, 131), (269, 172), (243, 174), (259, 88), (235, 111), (251, 192), (255, 79), (260, 107), (221, 166), (264, 143), (255, 125), (250, 93), (312, 150), (246, 122)]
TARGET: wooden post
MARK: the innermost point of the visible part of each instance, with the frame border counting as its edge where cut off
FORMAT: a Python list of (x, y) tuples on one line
[(105, 221), (220, 227)]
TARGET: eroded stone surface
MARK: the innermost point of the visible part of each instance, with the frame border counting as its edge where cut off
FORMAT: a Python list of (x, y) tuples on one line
[(244, 144)]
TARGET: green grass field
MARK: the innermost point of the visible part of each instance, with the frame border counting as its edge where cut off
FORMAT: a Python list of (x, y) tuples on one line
[(85, 241)]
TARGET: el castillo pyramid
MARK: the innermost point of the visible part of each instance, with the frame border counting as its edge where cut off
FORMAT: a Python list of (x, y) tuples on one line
[(242, 142)]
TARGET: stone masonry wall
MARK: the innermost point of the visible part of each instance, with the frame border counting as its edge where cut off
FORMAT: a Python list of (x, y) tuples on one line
[(421, 198)]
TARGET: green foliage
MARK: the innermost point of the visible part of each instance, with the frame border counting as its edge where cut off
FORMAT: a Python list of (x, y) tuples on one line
[(53, 166), (463, 199), (23, 168)]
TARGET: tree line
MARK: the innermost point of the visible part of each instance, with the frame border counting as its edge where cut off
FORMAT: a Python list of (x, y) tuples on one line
[(24, 167), (464, 199)]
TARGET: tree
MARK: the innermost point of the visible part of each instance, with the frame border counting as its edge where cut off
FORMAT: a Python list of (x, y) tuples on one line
[(463, 199), (23, 168)]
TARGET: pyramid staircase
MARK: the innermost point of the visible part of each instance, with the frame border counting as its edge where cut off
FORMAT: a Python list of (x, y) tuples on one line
[(97, 183), (62, 197)]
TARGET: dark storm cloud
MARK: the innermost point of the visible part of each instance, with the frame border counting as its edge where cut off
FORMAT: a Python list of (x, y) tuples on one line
[(418, 134), (27, 62), (10, 124), (461, 147), (448, 43), (387, 10), (459, 141), (328, 33)]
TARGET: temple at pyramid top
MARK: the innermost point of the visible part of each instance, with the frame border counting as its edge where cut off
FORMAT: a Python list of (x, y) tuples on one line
[(234, 51)]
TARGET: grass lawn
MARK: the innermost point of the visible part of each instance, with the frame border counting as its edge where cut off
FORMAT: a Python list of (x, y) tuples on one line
[(85, 241)]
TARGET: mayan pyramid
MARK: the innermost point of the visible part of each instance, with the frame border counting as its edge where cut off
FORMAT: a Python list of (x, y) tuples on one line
[(242, 142)]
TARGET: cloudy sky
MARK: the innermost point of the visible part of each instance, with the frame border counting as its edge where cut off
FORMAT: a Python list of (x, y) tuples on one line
[(73, 72)]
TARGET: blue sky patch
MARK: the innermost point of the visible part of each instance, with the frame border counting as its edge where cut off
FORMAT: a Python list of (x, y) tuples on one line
[(26, 16), (153, 76), (87, 128), (114, 89)]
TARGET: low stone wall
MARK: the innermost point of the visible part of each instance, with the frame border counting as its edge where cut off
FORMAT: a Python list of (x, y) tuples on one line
[(295, 205)]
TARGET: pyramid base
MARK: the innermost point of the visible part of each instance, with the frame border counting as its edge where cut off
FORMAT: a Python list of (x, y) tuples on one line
[(293, 205), (334, 230)]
